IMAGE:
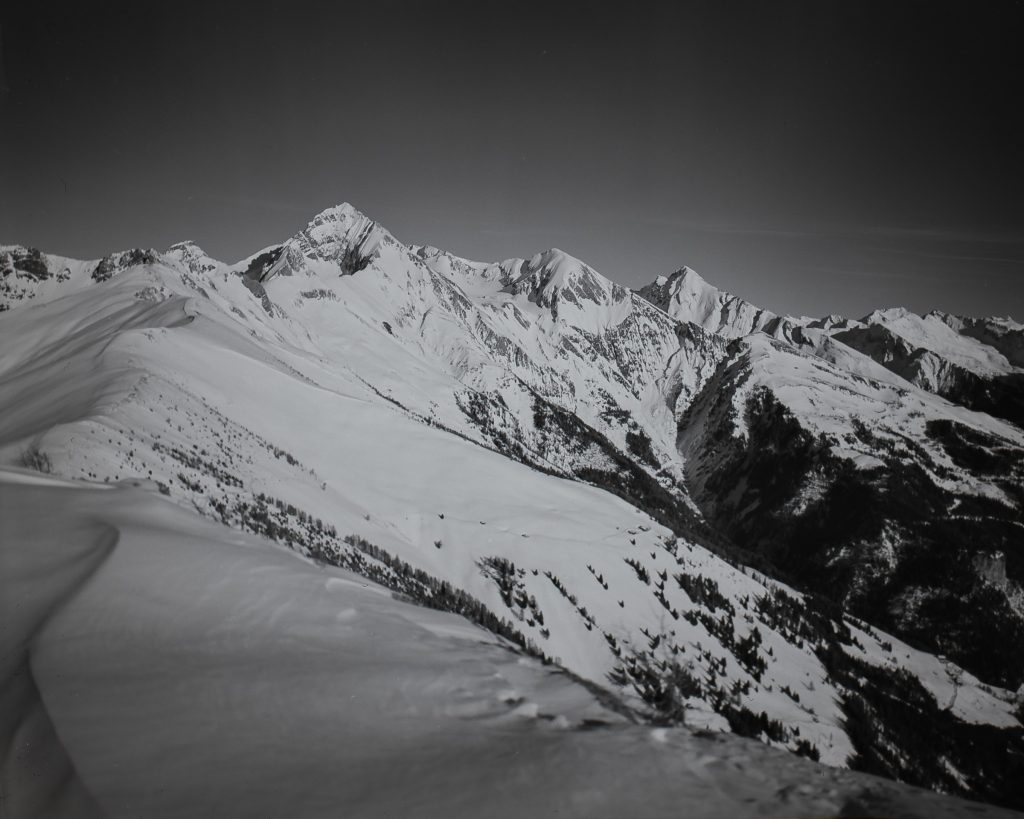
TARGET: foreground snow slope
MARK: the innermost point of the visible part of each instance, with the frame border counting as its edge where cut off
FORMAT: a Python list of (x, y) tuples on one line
[(202, 670)]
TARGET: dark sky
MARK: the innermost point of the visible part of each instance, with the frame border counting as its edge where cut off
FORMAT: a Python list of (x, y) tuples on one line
[(811, 156)]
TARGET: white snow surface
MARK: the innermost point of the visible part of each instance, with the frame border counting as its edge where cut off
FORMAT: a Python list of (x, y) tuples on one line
[(933, 332), (172, 666)]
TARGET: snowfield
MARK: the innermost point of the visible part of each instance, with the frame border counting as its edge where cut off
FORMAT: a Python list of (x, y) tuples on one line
[(187, 668)]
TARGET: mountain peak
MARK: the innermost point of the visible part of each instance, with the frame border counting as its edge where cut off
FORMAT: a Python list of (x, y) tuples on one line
[(338, 238), (186, 244), (661, 290), (342, 212), (666, 289), (197, 260), (553, 276), (189, 252), (888, 314), (687, 272), (338, 223), (558, 263), (687, 296)]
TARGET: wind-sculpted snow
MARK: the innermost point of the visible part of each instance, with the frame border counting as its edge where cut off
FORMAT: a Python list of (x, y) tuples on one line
[(204, 669), (559, 459), (44, 565)]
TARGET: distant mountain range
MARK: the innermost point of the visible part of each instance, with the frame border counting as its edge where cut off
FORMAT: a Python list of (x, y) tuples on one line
[(808, 531)]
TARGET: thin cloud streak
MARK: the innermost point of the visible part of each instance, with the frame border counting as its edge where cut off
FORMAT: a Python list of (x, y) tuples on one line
[(932, 234), (953, 256)]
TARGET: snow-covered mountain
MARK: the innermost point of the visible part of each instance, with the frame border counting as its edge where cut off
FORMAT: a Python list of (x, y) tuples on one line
[(978, 363), (734, 520), (687, 297)]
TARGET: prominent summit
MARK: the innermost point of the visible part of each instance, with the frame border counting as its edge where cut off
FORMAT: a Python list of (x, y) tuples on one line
[(194, 257), (686, 296), (337, 241), (554, 275)]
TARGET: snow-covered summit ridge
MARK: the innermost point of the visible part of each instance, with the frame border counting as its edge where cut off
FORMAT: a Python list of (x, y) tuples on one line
[(938, 352), (186, 245), (193, 257), (974, 362), (342, 236), (989, 346), (339, 240), (688, 297), (554, 275)]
